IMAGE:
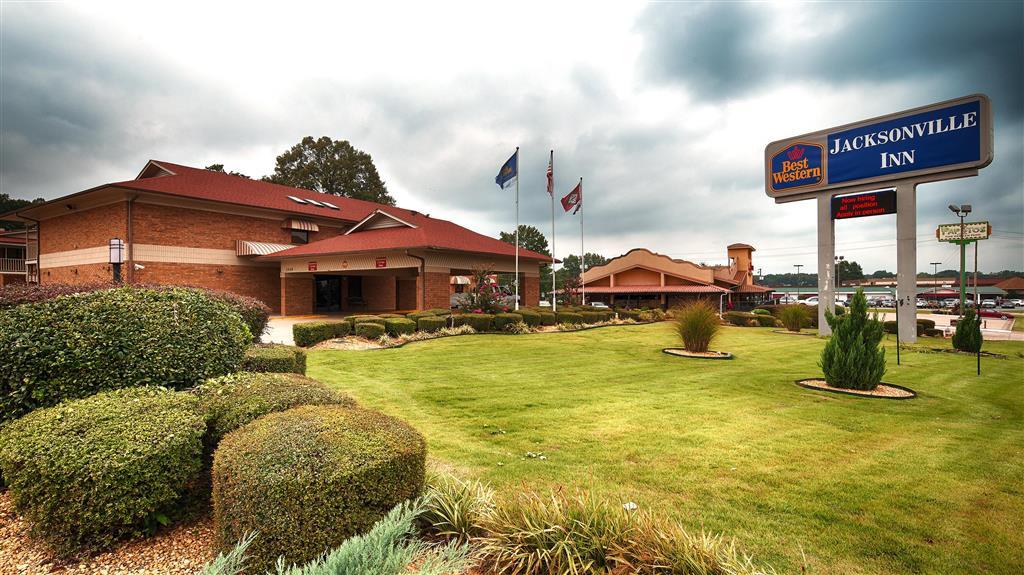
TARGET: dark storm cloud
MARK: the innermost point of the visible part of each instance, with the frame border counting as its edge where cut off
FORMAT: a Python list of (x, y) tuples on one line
[(730, 49)]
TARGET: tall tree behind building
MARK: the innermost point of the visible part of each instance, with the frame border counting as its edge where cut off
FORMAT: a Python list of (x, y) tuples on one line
[(530, 238), (332, 167), (9, 204)]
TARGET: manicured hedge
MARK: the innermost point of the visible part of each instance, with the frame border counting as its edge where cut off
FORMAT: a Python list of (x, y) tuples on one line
[(431, 323), (628, 314), (740, 318), (530, 317), (547, 318), (503, 320), (254, 312), (358, 319), (232, 401), (764, 319), (17, 294), (275, 358), (369, 330), (312, 333), (439, 311), (570, 317), (308, 478), (90, 472), (399, 326), (932, 332), (922, 326), (389, 315), (416, 315), (74, 346), (477, 321)]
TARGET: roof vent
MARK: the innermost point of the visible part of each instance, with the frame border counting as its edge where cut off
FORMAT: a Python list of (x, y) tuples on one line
[(330, 205), (314, 202), (297, 200)]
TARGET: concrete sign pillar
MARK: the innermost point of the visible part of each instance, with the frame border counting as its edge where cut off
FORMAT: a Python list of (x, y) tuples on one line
[(826, 262), (906, 260)]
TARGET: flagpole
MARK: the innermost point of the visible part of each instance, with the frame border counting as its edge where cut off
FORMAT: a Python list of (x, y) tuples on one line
[(583, 286), (551, 192), (517, 230)]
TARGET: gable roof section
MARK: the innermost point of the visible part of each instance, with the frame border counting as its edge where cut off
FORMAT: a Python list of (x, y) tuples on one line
[(426, 233), (377, 220), (645, 258)]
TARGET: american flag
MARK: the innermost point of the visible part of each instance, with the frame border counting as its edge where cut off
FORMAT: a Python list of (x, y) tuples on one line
[(551, 175)]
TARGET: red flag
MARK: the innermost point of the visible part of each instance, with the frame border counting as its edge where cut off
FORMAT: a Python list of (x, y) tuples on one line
[(574, 198), (551, 175)]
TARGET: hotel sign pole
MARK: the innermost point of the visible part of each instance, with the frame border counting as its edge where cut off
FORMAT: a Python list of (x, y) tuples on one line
[(942, 141)]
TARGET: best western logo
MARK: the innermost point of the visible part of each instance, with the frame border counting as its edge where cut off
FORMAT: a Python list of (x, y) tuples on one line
[(797, 166)]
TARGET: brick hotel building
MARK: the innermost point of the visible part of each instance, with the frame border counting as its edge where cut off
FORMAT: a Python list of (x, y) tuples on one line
[(301, 252)]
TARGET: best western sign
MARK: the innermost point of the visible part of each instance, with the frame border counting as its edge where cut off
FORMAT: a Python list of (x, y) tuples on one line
[(918, 143)]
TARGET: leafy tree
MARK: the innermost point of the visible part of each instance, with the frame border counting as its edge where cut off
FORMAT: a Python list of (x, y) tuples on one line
[(332, 167), (571, 266), (220, 168), (849, 270), (878, 274), (790, 280), (853, 357), (968, 332), (9, 204), (531, 238)]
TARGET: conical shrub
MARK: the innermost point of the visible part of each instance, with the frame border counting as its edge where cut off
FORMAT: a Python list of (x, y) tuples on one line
[(968, 333), (853, 358)]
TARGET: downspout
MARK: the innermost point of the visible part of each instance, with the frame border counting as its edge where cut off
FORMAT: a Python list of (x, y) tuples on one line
[(423, 279), (131, 242)]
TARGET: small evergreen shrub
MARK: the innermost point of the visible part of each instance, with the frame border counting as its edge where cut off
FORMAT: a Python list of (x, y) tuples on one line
[(439, 311), (234, 400), (309, 478), (967, 336), (342, 328), (75, 346), (431, 323), (399, 326), (740, 318), (933, 332), (530, 317), (478, 321), (90, 472), (697, 324), (591, 317), (275, 358), (852, 358), (764, 320), (503, 320), (311, 333), (389, 315), (547, 318), (416, 315), (358, 319), (569, 317), (369, 330), (793, 317), (772, 309), (760, 311)]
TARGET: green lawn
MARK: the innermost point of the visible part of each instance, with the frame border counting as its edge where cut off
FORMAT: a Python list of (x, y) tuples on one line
[(930, 485)]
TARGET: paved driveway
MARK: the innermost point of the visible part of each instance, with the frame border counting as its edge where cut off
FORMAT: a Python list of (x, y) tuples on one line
[(991, 329), (279, 329)]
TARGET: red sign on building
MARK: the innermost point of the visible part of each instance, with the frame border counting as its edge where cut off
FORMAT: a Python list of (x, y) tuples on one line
[(382, 262), (312, 266)]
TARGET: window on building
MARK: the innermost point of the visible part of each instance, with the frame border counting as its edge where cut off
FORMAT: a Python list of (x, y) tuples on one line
[(300, 237)]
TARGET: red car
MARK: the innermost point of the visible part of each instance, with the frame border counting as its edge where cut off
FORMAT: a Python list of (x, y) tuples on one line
[(983, 312)]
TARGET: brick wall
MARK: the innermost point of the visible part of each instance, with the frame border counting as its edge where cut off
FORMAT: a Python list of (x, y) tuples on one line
[(86, 273), (85, 229), (296, 295), (436, 285), (262, 283), (379, 292), (408, 297), (531, 291)]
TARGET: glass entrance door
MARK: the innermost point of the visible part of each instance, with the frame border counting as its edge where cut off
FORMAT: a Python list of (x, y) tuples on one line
[(328, 294)]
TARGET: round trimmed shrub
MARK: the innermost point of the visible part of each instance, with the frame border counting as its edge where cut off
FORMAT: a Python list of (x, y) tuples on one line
[(399, 326), (569, 317), (431, 323), (75, 346), (369, 330), (477, 321), (90, 472), (311, 333), (503, 320), (232, 401), (764, 320), (308, 478), (275, 357), (547, 318), (358, 319), (530, 317), (760, 311)]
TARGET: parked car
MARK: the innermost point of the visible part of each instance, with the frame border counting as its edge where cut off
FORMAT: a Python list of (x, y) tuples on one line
[(809, 301), (950, 302), (788, 299), (994, 314), (922, 303), (887, 302), (988, 303), (599, 305)]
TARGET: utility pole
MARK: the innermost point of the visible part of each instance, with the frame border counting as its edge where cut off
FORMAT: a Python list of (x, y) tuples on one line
[(798, 266), (935, 273)]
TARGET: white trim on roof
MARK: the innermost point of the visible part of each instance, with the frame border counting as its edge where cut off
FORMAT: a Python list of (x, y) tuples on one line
[(368, 222)]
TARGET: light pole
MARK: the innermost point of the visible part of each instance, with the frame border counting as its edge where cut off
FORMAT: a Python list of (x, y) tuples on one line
[(962, 211), (115, 250), (798, 266), (935, 273)]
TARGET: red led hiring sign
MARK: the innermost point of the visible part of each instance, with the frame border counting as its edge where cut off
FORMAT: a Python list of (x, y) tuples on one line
[(862, 205)]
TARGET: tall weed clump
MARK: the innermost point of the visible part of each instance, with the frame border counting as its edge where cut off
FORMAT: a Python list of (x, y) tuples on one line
[(853, 357), (697, 324)]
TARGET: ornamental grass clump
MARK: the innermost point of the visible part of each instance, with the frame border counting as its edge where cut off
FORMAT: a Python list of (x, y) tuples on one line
[(793, 317), (455, 508), (853, 357), (697, 324), (968, 333)]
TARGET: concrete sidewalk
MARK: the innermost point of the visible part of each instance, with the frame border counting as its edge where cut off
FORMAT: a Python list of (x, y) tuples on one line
[(279, 328)]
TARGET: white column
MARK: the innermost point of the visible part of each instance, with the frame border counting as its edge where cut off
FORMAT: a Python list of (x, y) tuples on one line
[(906, 260), (826, 261)]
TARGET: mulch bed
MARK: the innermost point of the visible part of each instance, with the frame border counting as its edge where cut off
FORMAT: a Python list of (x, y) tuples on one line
[(972, 354), (680, 352), (787, 332), (883, 391), (177, 550)]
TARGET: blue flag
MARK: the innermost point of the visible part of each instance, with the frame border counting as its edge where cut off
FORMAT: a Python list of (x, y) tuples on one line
[(508, 171)]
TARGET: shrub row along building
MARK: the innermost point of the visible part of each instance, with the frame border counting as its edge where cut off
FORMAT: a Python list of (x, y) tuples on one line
[(301, 252), (642, 278)]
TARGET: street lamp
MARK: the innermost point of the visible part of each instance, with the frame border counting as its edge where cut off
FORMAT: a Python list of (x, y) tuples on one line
[(798, 266), (935, 273), (962, 211), (838, 260)]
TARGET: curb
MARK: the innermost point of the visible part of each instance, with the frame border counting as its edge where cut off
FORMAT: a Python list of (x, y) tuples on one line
[(912, 395)]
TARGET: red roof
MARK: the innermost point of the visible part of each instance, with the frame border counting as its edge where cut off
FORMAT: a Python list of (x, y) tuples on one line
[(220, 187), (1016, 283), (656, 289), (752, 288)]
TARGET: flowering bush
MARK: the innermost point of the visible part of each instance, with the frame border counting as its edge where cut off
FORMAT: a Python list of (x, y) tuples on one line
[(482, 298)]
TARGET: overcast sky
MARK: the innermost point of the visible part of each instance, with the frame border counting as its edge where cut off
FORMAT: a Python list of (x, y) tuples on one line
[(664, 109)]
